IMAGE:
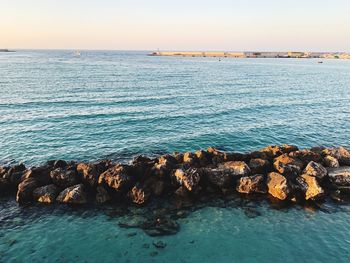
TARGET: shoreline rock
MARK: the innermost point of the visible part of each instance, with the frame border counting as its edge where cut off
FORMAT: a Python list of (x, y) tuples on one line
[(283, 173)]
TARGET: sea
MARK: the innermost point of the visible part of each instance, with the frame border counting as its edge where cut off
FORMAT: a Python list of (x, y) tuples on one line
[(92, 105)]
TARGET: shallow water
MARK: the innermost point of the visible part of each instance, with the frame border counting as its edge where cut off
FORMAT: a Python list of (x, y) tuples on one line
[(119, 104)]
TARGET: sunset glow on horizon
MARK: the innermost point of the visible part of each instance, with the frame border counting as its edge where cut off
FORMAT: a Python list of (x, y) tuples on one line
[(182, 25)]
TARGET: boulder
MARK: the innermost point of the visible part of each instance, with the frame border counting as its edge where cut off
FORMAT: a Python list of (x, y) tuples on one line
[(25, 190), (117, 177), (310, 187), (90, 172), (164, 165), (251, 184), (342, 154), (46, 194), (5, 186), (102, 195), (40, 174), (274, 151), (63, 177), (3, 170), (306, 156), (189, 178), (331, 161), (259, 166), (218, 177), (142, 166), (73, 195), (203, 157), (157, 187), (139, 195), (189, 158), (278, 186), (287, 165), (59, 164), (17, 168), (15, 174), (217, 156), (316, 170), (339, 176), (235, 168)]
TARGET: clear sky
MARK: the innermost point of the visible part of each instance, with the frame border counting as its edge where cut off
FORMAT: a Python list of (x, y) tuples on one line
[(235, 25)]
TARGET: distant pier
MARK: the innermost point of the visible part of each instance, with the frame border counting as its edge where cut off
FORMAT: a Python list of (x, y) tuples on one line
[(221, 54)]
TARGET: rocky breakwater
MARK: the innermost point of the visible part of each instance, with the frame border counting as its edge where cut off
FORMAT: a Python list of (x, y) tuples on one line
[(284, 173)]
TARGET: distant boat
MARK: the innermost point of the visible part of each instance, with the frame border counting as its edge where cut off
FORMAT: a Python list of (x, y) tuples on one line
[(320, 62), (77, 54)]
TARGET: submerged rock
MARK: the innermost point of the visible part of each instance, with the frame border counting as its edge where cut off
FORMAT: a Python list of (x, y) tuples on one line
[(251, 184), (160, 226), (73, 195), (102, 195), (278, 186), (310, 187), (25, 190), (46, 194)]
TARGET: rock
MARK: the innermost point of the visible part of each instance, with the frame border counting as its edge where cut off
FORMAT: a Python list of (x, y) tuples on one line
[(63, 177), (139, 195), (182, 192), (117, 178), (165, 165), (274, 151), (310, 187), (5, 186), (339, 176), (3, 170), (15, 174), (160, 226), (235, 168), (278, 186), (259, 166), (73, 195), (317, 149), (203, 157), (217, 156), (25, 190), (251, 184), (287, 165), (159, 244), (189, 178), (46, 194), (218, 177), (158, 187), (306, 156), (316, 170), (189, 158), (331, 161), (102, 195), (178, 156), (40, 174), (17, 168), (59, 164), (90, 172), (342, 154)]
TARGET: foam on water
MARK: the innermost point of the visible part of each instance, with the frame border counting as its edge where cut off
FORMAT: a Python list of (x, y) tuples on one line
[(119, 104)]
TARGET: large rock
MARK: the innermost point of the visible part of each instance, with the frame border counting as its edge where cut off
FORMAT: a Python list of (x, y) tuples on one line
[(331, 161), (251, 184), (189, 178), (189, 158), (342, 154), (64, 177), (73, 195), (25, 190), (164, 165), (5, 186), (339, 176), (46, 194), (90, 172), (15, 174), (310, 187), (102, 195), (235, 168), (259, 166), (306, 156), (287, 165), (218, 177), (316, 170), (203, 158), (41, 174), (118, 178), (278, 186), (139, 195), (274, 151)]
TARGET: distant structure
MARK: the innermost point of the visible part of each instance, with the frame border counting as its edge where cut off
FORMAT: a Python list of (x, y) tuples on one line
[(250, 54)]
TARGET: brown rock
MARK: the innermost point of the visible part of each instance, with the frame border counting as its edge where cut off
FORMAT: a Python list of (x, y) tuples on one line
[(158, 187), (139, 195), (274, 151), (316, 170), (46, 194), (203, 157), (235, 168), (63, 177), (278, 186), (343, 155), (102, 195), (331, 161), (73, 195), (251, 184), (189, 178), (218, 177), (40, 174), (5, 186), (339, 176), (90, 172), (189, 158), (259, 166), (310, 187), (164, 165), (217, 156), (117, 178), (306, 156), (287, 165), (25, 190)]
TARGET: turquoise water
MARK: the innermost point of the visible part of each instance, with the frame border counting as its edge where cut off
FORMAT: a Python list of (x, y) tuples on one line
[(119, 104)]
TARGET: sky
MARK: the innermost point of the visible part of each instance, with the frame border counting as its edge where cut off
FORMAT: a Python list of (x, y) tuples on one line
[(220, 25)]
